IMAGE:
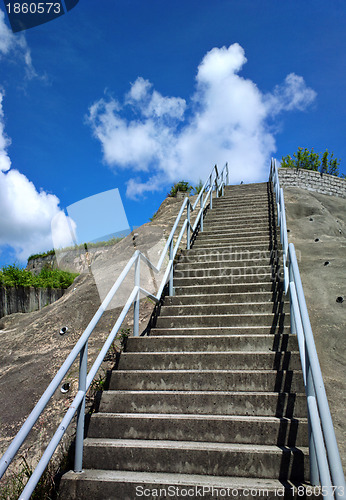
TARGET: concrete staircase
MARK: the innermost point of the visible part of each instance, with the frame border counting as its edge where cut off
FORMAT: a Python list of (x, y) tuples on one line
[(214, 397)]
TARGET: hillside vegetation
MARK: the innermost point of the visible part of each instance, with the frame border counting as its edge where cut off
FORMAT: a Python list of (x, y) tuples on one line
[(13, 275)]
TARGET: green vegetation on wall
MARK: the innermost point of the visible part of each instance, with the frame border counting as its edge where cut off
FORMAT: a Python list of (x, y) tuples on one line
[(325, 163), (13, 275), (182, 186), (185, 187)]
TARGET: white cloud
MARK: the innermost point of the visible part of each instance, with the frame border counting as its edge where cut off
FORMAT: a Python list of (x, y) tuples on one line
[(5, 162), (227, 120), (15, 45), (292, 94), (25, 213)]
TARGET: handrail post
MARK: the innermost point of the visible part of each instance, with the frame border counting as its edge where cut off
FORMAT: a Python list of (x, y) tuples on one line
[(170, 285), (227, 175), (201, 228), (314, 474), (83, 372), (211, 200), (136, 302), (188, 236), (292, 316)]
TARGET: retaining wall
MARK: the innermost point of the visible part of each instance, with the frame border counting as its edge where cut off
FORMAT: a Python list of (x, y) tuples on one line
[(26, 299), (312, 181)]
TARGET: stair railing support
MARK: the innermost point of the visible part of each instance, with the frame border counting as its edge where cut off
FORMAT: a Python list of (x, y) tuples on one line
[(188, 227), (136, 302), (170, 284), (201, 227), (83, 372)]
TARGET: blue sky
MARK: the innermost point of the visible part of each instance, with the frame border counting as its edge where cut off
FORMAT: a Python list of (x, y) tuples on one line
[(137, 95)]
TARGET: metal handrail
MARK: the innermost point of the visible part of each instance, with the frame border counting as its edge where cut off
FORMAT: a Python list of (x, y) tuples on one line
[(214, 181), (325, 462)]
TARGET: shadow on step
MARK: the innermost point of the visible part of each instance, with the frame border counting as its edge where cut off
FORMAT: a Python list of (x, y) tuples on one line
[(288, 431), (292, 464)]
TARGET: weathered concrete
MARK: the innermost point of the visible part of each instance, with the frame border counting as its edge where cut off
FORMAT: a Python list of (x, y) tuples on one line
[(189, 409), (26, 299)]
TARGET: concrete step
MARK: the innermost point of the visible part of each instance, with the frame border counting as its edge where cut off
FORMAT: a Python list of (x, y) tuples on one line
[(229, 273), (244, 330), (242, 238), (185, 264), (242, 201), (234, 246), (244, 209), (197, 320), (212, 343), (245, 212), (256, 230), (216, 360), (258, 235), (207, 380), (201, 402), (229, 288), (228, 218), (220, 298), (254, 186), (212, 428), (228, 308), (239, 200), (128, 485), (211, 259), (248, 225), (188, 457), (212, 254), (257, 218), (233, 278)]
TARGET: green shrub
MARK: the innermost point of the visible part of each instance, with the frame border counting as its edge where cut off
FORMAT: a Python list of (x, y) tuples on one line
[(198, 188), (309, 160), (182, 186), (44, 254), (13, 275)]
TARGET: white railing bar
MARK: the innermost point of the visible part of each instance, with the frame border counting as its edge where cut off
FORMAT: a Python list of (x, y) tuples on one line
[(201, 210), (321, 396), (299, 328), (314, 418), (164, 251), (181, 234), (148, 294), (53, 444), (317, 435), (97, 363), (165, 278)]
